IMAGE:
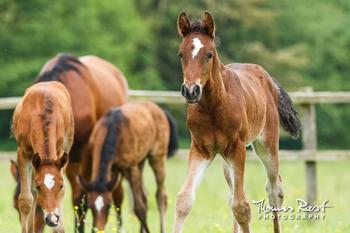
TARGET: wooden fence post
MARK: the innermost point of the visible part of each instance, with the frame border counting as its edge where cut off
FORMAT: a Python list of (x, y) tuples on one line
[(309, 137)]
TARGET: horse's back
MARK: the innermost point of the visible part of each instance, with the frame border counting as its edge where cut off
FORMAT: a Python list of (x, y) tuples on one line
[(147, 129), (260, 95), (110, 82), (39, 101)]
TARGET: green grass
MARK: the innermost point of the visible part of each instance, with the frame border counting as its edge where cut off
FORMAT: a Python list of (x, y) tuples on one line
[(210, 212)]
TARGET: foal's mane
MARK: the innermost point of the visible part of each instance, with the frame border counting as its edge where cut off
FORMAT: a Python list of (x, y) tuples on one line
[(112, 121), (65, 62), (196, 27)]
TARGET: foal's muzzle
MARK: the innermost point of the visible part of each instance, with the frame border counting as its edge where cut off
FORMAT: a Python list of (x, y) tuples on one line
[(52, 220), (191, 93)]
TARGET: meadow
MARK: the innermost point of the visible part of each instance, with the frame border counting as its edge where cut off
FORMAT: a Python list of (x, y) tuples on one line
[(210, 212)]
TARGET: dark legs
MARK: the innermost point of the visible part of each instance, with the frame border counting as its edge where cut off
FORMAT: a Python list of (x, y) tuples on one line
[(118, 196), (158, 166)]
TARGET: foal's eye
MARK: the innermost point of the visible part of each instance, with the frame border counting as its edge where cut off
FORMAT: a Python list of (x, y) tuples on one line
[(61, 186), (209, 55), (180, 54)]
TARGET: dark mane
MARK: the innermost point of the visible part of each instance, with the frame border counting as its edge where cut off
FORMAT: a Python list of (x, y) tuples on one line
[(196, 27), (113, 119), (46, 121), (64, 63)]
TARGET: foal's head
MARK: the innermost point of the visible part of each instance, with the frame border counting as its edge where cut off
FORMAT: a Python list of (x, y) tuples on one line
[(197, 53), (49, 185), (99, 199)]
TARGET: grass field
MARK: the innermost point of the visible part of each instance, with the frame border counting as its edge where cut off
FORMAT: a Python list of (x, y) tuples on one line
[(210, 212)]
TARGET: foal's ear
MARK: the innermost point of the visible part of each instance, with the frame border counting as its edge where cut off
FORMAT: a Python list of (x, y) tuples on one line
[(84, 184), (36, 160), (14, 170), (61, 162), (111, 185), (183, 24), (208, 23)]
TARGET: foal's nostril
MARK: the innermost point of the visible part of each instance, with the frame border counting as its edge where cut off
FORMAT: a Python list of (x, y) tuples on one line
[(196, 91), (184, 90)]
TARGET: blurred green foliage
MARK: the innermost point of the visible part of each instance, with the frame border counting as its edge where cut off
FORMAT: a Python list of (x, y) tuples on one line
[(299, 42)]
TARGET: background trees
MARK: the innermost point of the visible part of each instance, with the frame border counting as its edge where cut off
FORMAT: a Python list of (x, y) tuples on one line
[(298, 42)]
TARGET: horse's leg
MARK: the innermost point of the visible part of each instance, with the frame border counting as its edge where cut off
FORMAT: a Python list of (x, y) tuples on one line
[(228, 174), (78, 199), (118, 196), (140, 209), (157, 163), (235, 163), (267, 150), (39, 220), (197, 164), (25, 199), (144, 190), (32, 214)]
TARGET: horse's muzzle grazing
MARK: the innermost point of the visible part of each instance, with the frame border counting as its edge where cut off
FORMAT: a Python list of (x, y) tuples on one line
[(52, 220), (191, 93)]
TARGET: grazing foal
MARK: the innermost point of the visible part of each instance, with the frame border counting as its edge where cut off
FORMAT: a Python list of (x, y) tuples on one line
[(94, 85), (121, 142), (43, 126), (231, 106)]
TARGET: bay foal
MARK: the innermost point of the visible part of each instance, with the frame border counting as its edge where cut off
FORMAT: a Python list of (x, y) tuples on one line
[(121, 142), (43, 126), (95, 85), (231, 106)]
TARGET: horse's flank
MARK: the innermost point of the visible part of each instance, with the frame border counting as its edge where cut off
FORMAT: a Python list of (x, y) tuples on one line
[(40, 121)]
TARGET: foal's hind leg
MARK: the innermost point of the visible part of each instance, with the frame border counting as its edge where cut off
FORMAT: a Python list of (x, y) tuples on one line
[(267, 150), (134, 177), (157, 163), (228, 172)]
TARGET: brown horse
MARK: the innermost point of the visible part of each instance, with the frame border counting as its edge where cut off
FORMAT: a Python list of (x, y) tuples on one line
[(121, 142), (43, 126), (95, 86), (39, 215), (231, 106)]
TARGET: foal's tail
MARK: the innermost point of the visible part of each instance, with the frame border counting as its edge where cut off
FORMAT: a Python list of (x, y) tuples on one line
[(288, 115), (173, 138)]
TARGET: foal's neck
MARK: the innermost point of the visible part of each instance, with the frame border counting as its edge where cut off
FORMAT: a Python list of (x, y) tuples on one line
[(214, 90)]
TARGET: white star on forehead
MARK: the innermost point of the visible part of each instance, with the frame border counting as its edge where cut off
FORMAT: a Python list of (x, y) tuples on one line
[(99, 203), (49, 181), (197, 46)]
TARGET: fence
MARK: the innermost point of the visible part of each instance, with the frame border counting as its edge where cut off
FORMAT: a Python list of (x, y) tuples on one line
[(306, 98)]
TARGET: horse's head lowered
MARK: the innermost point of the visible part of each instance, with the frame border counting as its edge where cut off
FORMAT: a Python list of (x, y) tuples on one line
[(48, 180), (197, 53), (99, 199)]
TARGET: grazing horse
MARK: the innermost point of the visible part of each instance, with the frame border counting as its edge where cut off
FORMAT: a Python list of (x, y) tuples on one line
[(39, 215), (95, 85), (121, 142), (230, 107), (43, 126)]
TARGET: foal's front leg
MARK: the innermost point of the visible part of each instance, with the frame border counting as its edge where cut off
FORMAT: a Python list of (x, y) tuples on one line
[(197, 164), (26, 199), (235, 164)]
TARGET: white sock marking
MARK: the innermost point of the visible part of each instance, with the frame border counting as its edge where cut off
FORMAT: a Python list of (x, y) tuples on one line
[(49, 181), (99, 203), (197, 46)]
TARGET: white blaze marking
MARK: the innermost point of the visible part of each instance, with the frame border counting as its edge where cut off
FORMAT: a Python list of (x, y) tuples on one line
[(99, 203), (197, 46), (49, 181)]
